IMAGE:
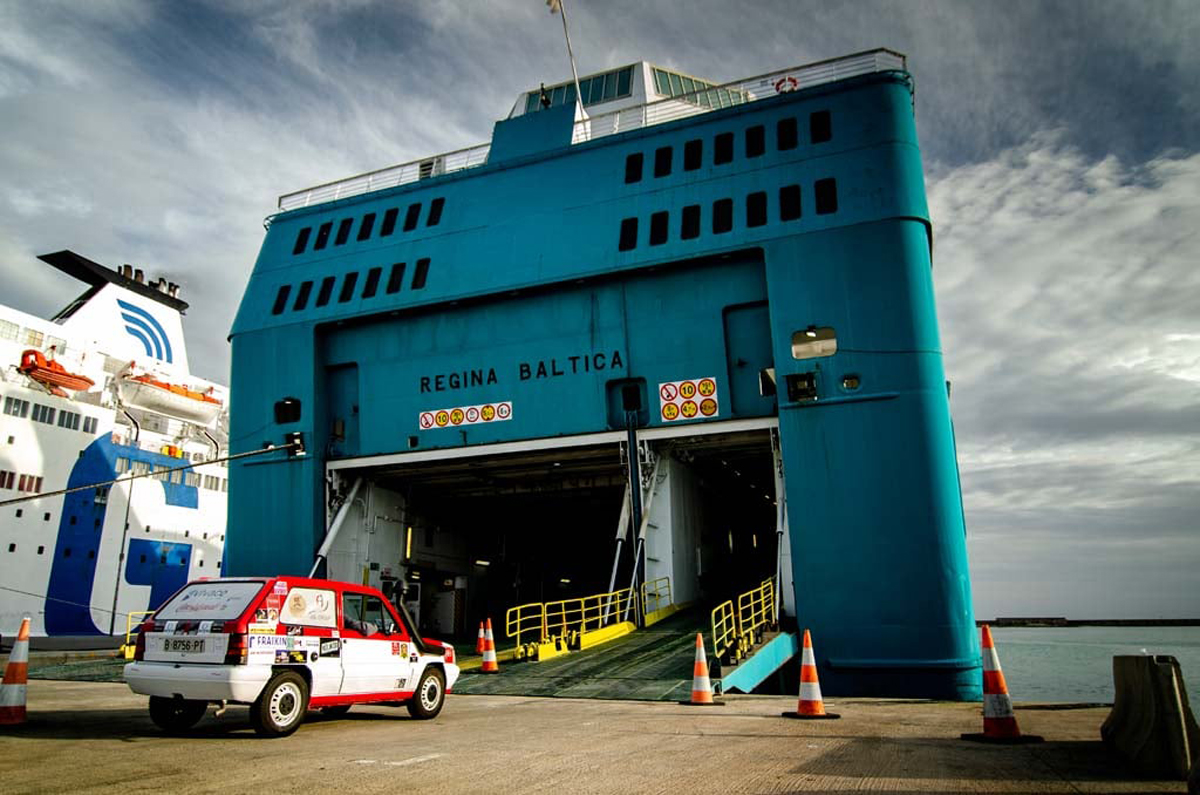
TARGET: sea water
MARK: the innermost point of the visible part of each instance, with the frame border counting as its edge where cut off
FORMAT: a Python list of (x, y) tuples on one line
[(1074, 664)]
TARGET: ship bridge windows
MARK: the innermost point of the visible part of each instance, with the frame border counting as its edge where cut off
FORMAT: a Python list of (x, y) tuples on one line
[(595, 89), (697, 92)]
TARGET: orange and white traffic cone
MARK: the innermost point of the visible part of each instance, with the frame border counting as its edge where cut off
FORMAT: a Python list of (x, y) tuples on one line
[(490, 666), (702, 692), (999, 722), (12, 692), (810, 706), (479, 640)]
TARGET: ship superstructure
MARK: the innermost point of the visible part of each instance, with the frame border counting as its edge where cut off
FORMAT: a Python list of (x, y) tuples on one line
[(98, 393)]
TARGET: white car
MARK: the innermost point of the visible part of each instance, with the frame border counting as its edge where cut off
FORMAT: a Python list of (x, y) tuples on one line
[(284, 645)]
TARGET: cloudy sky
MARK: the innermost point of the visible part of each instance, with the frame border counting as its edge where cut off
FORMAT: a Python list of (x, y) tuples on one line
[(1062, 152)]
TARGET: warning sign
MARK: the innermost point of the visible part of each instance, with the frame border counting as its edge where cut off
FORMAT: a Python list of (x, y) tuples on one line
[(465, 415), (695, 398)]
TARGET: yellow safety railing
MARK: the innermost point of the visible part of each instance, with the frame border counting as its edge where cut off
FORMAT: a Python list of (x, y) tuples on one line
[(656, 595), (724, 628), (129, 646), (756, 609), (526, 623), (567, 617)]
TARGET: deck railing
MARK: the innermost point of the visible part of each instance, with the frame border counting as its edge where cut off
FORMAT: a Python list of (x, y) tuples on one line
[(589, 129)]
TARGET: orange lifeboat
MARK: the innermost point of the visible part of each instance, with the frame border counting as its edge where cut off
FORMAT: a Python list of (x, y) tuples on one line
[(174, 400), (51, 374)]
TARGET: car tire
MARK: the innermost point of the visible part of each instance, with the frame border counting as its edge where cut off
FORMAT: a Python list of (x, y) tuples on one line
[(176, 715), (335, 712), (430, 695), (279, 709)]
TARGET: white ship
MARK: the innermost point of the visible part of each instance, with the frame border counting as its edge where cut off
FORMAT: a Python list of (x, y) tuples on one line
[(100, 393)]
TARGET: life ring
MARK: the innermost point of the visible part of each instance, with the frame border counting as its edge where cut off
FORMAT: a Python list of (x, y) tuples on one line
[(785, 84)]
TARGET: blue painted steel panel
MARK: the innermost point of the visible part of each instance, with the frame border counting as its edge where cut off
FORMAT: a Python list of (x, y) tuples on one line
[(526, 286)]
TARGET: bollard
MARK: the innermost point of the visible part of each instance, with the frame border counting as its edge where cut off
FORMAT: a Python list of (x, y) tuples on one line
[(1151, 723)]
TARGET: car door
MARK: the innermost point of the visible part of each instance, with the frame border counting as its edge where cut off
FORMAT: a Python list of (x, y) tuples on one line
[(376, 652)]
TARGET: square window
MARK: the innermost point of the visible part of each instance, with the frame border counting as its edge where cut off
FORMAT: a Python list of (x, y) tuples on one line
[(633, 168), (367, 225), (421, 273), (756, 208), (693, 154), (389, 222), (789, 202), (755, 141), (658, 228), (722, 220), (629, 231), (41, 550), (435, 212), (323, 236), (691, 222), (662, 161), (302, 240), (827, 201), (343, 233), (45, 517), (723, 148), (412, 216), (786, 136), (396, 278), (302, 296), (820, 127)]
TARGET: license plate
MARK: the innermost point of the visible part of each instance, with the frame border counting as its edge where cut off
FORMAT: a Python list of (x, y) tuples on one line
[(187, 645)]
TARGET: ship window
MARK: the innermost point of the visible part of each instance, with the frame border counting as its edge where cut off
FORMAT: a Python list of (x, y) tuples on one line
[(789, 202), (693, 154), (755, 140), (302, 240), (16, 407), (629, 230), (45, 517), (41, 550), (389, 222), (723, 148), (322, 236), (191, 479), (367, 225), (691, 222), (722, 216), (9, 330), (73, 520), (658, 228), (43, 414), (281, 298), (435, 212), (411, 218), (814, 342), (633, 168), (662, 161), (623, 78), (420, 273), (372, 285), (89, 424), (348, 283), (785, 133), (6, 479), (826, 196), (756, 208), (343, 233), (302, 295), (19, 513), (396, 278), (820, 127), (326, 291)]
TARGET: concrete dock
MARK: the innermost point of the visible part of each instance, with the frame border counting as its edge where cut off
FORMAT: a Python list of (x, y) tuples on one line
[(92, 736)]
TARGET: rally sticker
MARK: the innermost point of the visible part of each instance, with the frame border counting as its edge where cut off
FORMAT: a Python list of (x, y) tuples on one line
[(465, 415), (693, 399)]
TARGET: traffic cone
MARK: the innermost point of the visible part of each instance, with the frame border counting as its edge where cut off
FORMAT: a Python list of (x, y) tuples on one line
[(702, 692), (490, 665), (999, 722), (479, 640), (810, 706), (12, 692)]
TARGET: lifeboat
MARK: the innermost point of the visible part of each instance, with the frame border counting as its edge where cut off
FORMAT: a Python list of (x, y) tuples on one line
[(52, 375), (173, 400)]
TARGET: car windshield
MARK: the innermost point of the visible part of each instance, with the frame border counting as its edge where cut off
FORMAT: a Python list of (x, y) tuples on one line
[(207, 601)]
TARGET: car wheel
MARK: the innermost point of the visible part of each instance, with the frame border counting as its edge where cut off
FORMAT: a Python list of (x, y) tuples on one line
[(279, 709), (176, 714), (427, 702), (335, 712)]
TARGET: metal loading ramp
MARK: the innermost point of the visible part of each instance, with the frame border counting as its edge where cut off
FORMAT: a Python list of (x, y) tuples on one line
[(652, 664)]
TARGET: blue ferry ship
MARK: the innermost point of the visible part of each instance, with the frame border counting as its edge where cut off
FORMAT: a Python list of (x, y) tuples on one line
[(660, 330)]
